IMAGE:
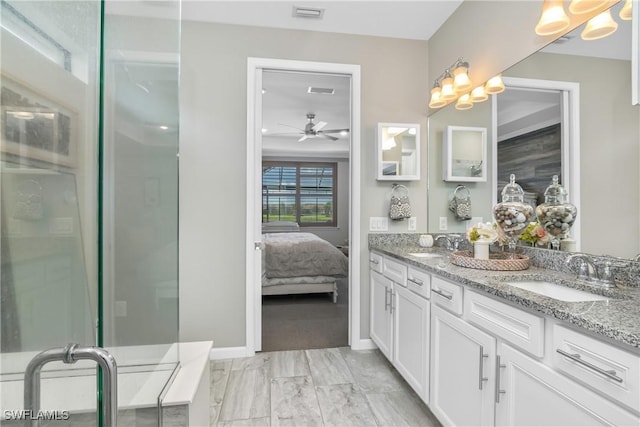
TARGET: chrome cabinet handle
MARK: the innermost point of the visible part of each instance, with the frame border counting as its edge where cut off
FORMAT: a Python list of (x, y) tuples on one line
[(442, 293), (386, 302), (498, 390), (481, 377), (374, 261), (416, 281), (576, 358)]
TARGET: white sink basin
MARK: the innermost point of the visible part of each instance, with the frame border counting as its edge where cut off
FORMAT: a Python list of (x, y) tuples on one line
[(552, 290), (424, 254)]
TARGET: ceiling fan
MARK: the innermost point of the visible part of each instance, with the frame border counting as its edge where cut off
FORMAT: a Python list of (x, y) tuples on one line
[(315, 130)]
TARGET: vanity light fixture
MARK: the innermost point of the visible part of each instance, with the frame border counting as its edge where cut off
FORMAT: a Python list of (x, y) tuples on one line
[(553, 19), (625, 12), (436, 100), (464, 102), (461, 80), (578, 7), (448, 87), (479, 94), (494, 85), (599, 26), (448, 93)]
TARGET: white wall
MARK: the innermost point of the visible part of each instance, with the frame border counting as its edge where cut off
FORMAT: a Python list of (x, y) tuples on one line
[(213, 156)]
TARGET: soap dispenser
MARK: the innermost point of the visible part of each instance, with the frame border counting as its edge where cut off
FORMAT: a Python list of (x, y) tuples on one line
[(512, 215), (556, 214)]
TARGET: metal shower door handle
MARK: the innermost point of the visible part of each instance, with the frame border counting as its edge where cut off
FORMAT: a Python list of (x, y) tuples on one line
[(71, 354)]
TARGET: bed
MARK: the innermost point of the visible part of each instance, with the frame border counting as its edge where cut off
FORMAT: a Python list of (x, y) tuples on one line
[(295, 262)]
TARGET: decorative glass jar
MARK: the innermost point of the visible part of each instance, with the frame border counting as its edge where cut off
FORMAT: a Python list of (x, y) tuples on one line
[(512, 215), (556, 214)]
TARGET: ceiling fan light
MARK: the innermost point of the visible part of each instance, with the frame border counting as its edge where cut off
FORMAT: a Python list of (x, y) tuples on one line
[(436, 100), (626, 11), (578, 7), (464, 102), (553, 19), (599, 26), (494, 85), (461, 80), (447, 91), (479, 95)]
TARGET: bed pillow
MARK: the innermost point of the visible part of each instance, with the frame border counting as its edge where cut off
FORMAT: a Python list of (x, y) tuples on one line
[(280, 227)]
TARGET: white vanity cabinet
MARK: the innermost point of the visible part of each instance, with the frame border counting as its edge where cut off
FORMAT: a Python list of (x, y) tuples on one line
[(462, 371), (400, 316)]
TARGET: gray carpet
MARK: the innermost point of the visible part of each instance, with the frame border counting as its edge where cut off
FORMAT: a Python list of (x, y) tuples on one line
[(301, 322)]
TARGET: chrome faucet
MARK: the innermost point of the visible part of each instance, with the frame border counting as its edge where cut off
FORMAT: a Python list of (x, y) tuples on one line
[(453, 241), (587, 270)]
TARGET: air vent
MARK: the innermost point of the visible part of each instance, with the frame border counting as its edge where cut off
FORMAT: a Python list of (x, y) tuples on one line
[(321, 90), (308, 12)]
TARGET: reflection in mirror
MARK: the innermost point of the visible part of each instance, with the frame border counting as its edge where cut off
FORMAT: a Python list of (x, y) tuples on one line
[(464, 154), (607, 137), (398, 152)]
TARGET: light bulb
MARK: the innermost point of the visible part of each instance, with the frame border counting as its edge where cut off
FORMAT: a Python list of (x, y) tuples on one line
[(461, 81), (464, 102), (599, 26), (553, 19), (494, 85), (479, 95), (447, 92)]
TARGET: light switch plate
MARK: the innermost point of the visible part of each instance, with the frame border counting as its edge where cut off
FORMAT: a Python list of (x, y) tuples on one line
[(411, 225), (443, 223), (378, 223)]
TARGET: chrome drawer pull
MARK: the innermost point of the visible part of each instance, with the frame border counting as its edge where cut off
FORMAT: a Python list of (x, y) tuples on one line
[(374, 261), (576, 358), (481, 377), (416, 281), (442, 293)]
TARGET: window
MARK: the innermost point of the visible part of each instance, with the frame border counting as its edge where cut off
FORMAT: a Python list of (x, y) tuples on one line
[(301, 192)]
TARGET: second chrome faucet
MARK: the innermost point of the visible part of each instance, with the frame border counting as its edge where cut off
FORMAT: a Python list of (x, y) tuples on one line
[(589, 271)]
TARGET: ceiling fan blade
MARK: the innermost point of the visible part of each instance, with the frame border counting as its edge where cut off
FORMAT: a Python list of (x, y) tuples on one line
[(335, 130), (323, 135), (282, 133), (319, 126), (303, 138), (289, 126)]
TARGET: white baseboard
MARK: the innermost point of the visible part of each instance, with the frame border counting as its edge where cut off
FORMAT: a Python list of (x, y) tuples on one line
[(229, 353), (364, 344)]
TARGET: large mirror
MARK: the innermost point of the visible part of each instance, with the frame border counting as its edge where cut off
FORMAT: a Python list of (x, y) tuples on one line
[(597, 159), (398, 152)]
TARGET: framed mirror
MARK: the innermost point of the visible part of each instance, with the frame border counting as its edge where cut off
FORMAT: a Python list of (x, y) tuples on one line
[(398, 152), (464, 154)]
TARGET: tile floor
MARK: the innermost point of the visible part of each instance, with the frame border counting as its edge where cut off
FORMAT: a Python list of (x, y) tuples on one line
[(323, 387)]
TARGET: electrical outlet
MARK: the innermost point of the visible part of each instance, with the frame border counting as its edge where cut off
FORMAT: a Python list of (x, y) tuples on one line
[(411, 225), (120, 309), (443, 223)]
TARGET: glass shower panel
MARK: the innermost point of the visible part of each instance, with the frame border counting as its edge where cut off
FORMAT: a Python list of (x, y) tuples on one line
[(140, 209), (48, 205)]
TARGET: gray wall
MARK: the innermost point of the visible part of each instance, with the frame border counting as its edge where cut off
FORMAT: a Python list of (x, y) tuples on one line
[(213, 156)]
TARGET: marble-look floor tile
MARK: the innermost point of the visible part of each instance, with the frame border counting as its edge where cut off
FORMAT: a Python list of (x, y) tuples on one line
[(328, 367), (247, 395), (252, 422), (259, 361), (220, 370), (344, 405), (400, 408), (294, 402), (289, 364), (371, 371)]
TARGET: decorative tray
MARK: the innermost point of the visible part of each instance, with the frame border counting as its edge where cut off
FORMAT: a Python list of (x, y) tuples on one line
[(499, 261)]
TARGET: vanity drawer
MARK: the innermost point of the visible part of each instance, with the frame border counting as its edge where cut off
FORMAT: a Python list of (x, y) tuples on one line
[(447, 295), (394, 270), (608, 369), (375, 262), (419, 282), (519, 328)]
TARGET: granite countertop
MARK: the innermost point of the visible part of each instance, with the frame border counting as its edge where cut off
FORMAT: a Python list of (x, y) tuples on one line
[(617, 319)]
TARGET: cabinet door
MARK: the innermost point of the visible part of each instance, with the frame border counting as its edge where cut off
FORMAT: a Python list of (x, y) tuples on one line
[(411, 339), (536, 395), (381, 319), (462, 371)]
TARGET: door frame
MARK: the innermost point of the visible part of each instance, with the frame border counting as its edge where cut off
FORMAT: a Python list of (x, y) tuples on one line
[(570, 137), (255, 66)]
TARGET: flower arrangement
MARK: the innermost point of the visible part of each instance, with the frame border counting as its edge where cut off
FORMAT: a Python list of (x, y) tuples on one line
[(535, 234), (484, 232)]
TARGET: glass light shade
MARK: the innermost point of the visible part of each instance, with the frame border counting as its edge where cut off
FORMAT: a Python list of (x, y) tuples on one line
[(436, 100), (448, 94), (625, 12), (599, 26), (461, 81), (479, 95), (494, 85), (553, 19), (578, 7), (464, 102)]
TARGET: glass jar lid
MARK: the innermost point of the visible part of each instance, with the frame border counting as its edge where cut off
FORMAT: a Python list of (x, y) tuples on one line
[(555, 193), (512, 192)]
